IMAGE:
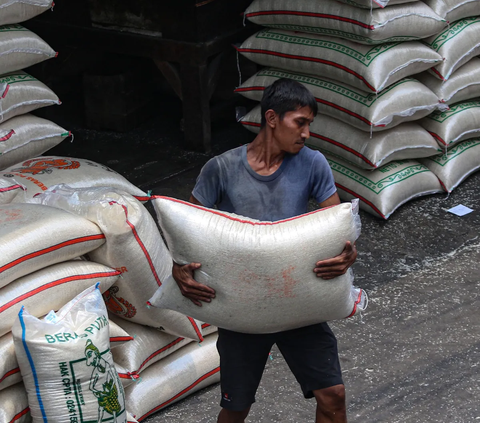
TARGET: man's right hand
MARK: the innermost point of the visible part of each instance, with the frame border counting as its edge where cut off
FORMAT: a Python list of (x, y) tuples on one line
[(189, 287)]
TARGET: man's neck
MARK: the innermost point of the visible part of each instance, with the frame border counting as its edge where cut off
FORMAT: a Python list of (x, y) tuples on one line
[(263, 155)]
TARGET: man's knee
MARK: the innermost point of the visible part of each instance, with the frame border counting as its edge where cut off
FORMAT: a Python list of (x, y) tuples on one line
[(331, 399), (230, 416)]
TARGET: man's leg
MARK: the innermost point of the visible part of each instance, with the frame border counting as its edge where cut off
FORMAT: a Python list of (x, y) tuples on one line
[(242, 361), (331, 405)]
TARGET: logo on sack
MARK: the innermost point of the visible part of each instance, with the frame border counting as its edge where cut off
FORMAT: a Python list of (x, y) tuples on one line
[(118, 305), (226, 396), (46, 165)]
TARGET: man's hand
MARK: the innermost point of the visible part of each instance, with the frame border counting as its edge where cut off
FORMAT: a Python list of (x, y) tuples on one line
[(189, 287), (331, 268)]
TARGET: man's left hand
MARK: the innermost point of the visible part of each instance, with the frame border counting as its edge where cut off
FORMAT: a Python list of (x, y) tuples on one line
[(331, 268)]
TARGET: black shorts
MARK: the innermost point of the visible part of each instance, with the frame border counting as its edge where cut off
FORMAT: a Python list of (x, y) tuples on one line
[(310, 352)]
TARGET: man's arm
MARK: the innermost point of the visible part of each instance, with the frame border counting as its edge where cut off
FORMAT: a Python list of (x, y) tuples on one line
[(183, 275), (336, 266)]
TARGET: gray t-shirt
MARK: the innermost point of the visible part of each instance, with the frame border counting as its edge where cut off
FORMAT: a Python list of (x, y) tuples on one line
[(229, 183)]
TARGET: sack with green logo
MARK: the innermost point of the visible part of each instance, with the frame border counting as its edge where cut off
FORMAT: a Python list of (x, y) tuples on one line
[(66, 363)]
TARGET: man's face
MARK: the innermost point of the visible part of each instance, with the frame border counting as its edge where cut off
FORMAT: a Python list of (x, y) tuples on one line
[(291, 132)]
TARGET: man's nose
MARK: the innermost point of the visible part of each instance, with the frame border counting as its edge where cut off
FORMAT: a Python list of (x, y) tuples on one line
[(306, 133)]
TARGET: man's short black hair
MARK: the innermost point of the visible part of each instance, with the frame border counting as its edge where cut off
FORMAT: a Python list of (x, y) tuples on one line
[(286, 95)]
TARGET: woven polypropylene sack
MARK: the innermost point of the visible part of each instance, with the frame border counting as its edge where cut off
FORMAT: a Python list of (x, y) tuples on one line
[(40, 173), (405, 141), (459, 162), (270, 285), (15, 11), (27, 136), (453, 10), (403, 22), (22, 93), (370, 68), (385, 189), (66, 363), (9, 190), (374, 4), (21, 48), (9, 370), (457, 45), (134, 246), (463, 84), (182, 373), (34, 236), (404, 101), (14, 405), (51, 288), (459, 123)]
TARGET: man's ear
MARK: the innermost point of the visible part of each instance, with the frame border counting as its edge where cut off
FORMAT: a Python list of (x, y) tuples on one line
[(271, 118)]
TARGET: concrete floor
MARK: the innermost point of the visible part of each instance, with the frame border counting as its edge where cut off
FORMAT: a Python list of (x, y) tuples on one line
[(414, 355)]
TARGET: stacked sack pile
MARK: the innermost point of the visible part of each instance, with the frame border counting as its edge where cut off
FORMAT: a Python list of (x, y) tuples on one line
[(57, 243), (23, 135), (358, 58)]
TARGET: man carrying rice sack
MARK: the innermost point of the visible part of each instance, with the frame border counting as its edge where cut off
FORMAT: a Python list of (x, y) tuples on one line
[(270, 179)]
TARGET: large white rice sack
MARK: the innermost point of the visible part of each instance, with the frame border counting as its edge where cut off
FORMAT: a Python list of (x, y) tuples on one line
[(453, 10), (456, 164), (385, 189), (15, 11), (21, 48), (14, 405), (463, 84), (457, 44), (182, 373), (66, 363), (27, 136), (459, 123), (134, 246), (406, 141), (369, 68), (40, 173), (262, 272), (404, 101), (22, 93), (51, 288), (403, 22), (9, 370), (34, 236), (148, 347)]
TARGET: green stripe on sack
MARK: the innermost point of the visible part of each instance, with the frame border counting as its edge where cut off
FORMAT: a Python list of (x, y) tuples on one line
[(11, 28), (20, 77), (367, 99), (340, 34), (456, 151), (439, 116), (365, 59), (452, 32), (378, 187)]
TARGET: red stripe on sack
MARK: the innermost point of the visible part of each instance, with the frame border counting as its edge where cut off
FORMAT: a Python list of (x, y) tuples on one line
[(442, 184), (437, 137), (196, 328), (10, 373), (165, 348), (344, 147), (11, 188), (250, 124), (140, 243), (21, 414), (244, 89), (309, 59), (310, 14), (140, 198), (236, 219), (8, 136), (121, 338), (7, 88), (50, 249), (438, 73), (206, 325), (57, 283), (361, 198), (205, 376), (130, 375), (359, 298)]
